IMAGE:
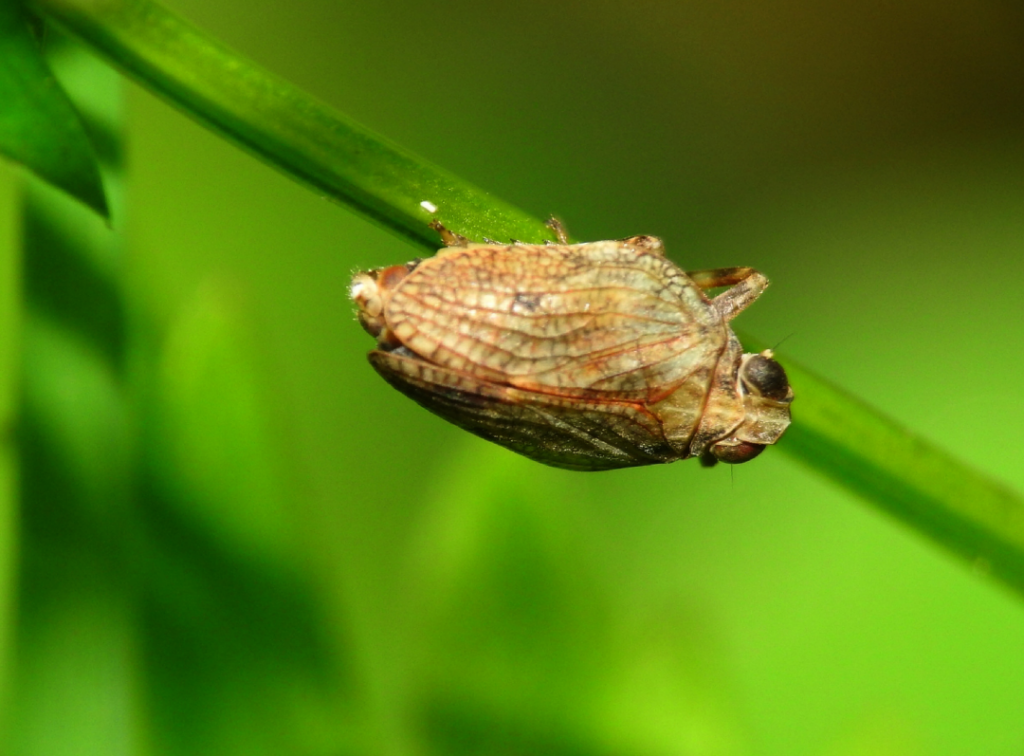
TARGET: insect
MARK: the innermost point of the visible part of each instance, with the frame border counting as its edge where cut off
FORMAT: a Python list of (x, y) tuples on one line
[(582, 356)]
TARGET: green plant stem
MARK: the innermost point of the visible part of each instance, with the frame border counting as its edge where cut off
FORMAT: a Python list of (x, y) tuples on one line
[(924, 486), (284, 126), (832, 431)]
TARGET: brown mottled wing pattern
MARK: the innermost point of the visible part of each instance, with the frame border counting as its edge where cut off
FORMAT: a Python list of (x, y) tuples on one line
[(602, 321), (571, 433)]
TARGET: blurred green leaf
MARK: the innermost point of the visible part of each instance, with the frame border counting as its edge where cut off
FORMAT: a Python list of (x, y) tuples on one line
[(238, 652), (531, 648), (75, 638), (159, 594), (212, 443), (39, 126), (10, 321), (843, 438)]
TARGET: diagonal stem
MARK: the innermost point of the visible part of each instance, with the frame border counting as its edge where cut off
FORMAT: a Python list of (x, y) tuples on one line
[(284, 126)]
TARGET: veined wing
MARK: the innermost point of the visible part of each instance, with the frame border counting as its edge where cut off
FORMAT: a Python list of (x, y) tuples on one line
[(570, 433), (587, 320)]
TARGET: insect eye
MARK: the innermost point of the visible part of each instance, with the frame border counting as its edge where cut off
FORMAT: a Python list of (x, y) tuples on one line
[(736, 454), (766, 377)]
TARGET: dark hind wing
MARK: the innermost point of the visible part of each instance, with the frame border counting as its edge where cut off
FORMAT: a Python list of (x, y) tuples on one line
[(561, 432)]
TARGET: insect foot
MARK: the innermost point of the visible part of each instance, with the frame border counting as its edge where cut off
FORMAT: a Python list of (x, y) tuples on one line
[(582, 356)]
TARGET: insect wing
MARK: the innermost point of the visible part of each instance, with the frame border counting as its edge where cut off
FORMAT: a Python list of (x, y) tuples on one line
[(567, 433), (604, 320)]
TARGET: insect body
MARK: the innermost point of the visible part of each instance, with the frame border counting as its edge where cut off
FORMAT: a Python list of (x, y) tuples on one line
[(583, 356)]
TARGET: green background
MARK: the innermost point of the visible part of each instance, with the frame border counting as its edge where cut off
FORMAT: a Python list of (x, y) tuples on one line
[(356, 576)]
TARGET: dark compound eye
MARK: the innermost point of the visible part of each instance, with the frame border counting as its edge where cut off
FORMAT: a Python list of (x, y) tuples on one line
[(766, 377), (737, 453)]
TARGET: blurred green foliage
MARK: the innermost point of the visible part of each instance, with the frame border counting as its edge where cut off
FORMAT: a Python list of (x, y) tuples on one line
[(240, 541), (39, 127)]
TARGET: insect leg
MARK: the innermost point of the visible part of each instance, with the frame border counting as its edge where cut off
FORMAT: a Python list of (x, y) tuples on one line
[(719, 277), (556, 225), (746, 285), (650, 244), (450, 238)]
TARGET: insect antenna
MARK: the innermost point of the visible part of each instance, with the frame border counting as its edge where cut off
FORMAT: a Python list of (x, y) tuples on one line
[(783, 341)]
